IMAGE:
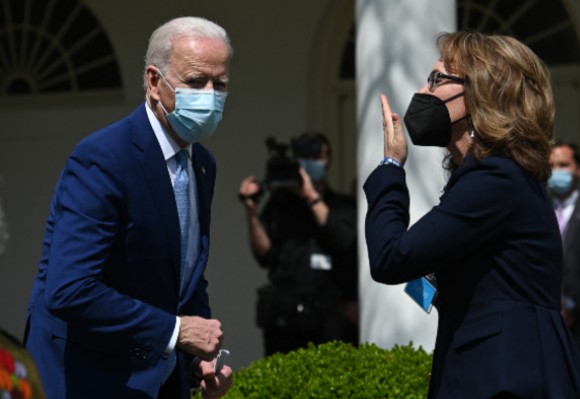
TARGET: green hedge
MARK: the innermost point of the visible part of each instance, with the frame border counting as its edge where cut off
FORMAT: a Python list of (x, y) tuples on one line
[(336, 370)]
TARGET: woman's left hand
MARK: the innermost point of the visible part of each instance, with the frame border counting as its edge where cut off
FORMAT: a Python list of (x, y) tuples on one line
[(394, 134)]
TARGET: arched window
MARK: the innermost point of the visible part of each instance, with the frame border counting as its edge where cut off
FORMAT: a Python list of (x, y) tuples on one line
[(347, 69), (543, 25), (53, 47)]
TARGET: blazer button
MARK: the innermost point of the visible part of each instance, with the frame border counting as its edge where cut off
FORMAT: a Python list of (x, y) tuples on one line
[(145, 356), (165, 356)]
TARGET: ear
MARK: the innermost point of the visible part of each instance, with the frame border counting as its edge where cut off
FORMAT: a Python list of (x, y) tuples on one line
[(153, 82)]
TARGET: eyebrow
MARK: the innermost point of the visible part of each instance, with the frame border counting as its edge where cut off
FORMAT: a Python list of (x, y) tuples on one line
[(223, 79)]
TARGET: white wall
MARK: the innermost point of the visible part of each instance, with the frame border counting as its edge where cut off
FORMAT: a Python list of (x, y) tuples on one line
[(395, 53)]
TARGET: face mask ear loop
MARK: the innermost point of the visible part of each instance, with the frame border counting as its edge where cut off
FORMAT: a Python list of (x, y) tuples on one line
[(168, 85), (165, 80), (468, 117), (453, 97)]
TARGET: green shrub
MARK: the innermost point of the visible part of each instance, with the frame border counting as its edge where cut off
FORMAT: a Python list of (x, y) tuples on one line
[(336, 370)]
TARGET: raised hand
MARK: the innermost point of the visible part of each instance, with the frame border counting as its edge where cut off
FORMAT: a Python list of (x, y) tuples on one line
[(394, 133)]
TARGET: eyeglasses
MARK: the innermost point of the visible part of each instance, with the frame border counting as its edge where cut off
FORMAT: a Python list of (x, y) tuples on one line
[(435, 78)]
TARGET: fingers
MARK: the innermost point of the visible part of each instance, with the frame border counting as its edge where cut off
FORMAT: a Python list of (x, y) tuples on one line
[(395, 142), (200, 337), (249, 186), (388, 128), (387, 116), (307, 189), (216, 386)]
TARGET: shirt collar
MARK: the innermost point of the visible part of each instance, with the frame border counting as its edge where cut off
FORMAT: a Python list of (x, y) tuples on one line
[(569, 201), (168, 146)]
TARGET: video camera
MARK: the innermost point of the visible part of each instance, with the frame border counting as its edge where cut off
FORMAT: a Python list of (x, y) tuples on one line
[(282, 168)]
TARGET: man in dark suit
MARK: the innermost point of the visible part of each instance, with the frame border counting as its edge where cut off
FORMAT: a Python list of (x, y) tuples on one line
[(119, 308), (563, 186)]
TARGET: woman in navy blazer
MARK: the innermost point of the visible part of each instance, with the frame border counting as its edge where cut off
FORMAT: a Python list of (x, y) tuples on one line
[(492, 243)]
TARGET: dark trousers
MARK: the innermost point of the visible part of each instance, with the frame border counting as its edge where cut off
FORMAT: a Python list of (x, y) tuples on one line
[(171, 388), (333, 326)]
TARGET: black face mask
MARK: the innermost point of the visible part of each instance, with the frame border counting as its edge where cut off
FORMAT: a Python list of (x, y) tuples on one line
[(428, 121)]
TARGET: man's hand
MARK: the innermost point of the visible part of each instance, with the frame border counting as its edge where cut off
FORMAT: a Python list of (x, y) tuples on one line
[(250, 188), (213, 386), (200, 337), (307, 190)]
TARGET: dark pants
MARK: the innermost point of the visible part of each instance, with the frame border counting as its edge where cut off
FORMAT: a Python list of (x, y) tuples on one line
[(171, 388), (333, 325)]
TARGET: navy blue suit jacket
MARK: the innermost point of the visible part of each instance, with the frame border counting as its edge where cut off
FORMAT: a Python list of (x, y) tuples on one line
[(104, 303), (494, 246), (571, 283)]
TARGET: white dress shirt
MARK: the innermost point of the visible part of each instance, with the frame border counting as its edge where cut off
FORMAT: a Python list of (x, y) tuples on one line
[(170, 148)]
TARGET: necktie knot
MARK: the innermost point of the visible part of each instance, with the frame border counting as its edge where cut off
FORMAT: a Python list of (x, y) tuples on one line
[(182, 158)]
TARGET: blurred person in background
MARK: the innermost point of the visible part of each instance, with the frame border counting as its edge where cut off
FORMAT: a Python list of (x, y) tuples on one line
[(305, 236), (563, 187)]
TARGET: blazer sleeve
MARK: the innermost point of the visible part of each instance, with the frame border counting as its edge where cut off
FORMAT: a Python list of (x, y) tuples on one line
[(468, 216), (88, 213)]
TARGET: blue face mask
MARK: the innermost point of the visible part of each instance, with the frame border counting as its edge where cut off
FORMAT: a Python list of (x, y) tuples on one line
[(197, 112), (316, 168), (561, 181)]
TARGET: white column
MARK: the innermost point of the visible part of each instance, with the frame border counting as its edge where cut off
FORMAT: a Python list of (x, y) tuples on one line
[(395, 52)]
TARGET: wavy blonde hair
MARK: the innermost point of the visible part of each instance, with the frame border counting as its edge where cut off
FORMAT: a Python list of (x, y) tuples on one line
[(508, 95)]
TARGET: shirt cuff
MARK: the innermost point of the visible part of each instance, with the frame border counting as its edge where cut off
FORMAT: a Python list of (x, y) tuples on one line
[(171, 345)]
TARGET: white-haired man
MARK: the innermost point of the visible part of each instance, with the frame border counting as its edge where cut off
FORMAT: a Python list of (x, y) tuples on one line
[(119, 308)]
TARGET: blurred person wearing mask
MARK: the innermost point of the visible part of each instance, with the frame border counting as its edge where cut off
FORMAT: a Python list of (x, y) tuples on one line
[(563, 186), (491, 247), (306, 238), (120, 308)]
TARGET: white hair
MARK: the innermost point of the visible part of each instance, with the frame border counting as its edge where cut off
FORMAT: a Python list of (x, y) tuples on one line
[(161, 41)]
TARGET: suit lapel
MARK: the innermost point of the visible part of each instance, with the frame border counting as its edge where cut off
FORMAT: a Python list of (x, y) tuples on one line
[(154, 167), (572, 227), (203, 182)]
